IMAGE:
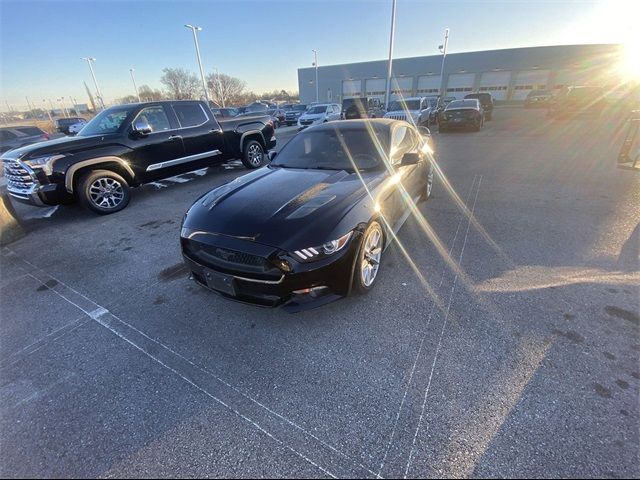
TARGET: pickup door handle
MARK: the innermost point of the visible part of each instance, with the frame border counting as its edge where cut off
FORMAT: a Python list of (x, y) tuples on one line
[(175, 137), (215, 130)]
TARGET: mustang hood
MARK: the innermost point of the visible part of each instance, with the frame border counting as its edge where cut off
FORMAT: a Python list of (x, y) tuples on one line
[(280, 207), (58, 146)]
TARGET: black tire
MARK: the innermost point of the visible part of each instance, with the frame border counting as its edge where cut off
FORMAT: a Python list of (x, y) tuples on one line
[(253, 154), (360, 284), (427, 193), (103, 192)]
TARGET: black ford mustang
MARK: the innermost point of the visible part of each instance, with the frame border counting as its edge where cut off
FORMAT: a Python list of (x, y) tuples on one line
[(313, 224)]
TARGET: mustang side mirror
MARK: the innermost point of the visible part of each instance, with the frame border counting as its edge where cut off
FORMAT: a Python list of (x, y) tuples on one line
[(424, 131), (142, 127), (272, 154), (410, 159)]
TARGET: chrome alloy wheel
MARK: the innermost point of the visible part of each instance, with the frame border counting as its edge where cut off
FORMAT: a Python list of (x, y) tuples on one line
[(106, 192), (372, 251), (255, 154)]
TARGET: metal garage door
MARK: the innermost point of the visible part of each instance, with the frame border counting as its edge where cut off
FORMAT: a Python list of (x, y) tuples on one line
[(528, 80), (496, 83), (376, 87), (428, 85), (459, 84), (567, 78), (401, 86), (351, 88)]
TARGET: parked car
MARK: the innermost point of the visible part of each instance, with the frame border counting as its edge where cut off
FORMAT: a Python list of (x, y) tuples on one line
[(576, 101), (538, 98), (486, 101), (462, 114), (320, 113), (76, 127), (63, 124), (16, 137), (415, 110), (225, 112), (319, 233), (291, 116), (128, 145), (362, 107), (442, 104)]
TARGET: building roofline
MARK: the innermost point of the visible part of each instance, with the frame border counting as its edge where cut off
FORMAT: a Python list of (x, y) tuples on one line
[(538, 47)]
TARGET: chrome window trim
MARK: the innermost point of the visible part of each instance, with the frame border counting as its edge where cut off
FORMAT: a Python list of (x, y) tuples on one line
[(178, 161)]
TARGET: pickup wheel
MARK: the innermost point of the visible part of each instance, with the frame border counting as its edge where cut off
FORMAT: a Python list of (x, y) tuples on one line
[(103, 192), (253, 154)]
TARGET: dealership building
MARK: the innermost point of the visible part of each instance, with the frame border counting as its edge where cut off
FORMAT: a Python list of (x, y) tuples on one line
[(509, 75)]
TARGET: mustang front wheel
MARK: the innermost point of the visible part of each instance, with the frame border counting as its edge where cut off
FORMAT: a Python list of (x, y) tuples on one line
[(368, 259)]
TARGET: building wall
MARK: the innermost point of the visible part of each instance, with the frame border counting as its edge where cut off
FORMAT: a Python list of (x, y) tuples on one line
[(512, 71)]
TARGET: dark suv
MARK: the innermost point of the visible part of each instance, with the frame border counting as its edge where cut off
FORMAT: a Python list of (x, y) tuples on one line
[(486, 101), (128, 145), (362, 107)]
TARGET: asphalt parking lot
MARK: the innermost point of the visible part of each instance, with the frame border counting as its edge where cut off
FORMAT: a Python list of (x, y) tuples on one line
[(502, 338)]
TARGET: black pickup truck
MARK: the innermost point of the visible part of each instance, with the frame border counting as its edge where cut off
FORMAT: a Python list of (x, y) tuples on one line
[(128, 145)]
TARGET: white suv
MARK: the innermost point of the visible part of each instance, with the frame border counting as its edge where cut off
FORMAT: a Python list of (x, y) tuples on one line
[(415, 110), (316, 114)]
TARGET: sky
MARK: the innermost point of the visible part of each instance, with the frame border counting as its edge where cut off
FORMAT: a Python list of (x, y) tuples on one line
[(265, 42)]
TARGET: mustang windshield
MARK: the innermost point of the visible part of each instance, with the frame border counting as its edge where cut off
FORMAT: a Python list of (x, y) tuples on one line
[(333, 149), (107, 121)]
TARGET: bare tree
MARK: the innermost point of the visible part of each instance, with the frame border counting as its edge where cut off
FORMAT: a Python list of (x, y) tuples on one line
[(180, 84), (148, 94), (127, 99), (225, 89)]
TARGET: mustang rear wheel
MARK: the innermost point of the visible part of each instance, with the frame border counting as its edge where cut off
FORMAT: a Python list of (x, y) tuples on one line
[(367, 263)]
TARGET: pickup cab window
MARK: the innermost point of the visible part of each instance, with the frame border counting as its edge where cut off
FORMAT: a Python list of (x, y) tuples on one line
[(190, 114), (155, 117)]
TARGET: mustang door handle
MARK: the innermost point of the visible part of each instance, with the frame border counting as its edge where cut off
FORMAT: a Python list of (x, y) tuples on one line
[(175, 137)]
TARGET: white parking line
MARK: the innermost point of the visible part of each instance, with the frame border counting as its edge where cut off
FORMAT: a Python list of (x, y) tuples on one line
[(96, 312), (444, 325), (419, 353)]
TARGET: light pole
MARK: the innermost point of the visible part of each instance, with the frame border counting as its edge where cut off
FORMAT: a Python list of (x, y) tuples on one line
[(390, 66), (62, 107), (195, 39), (48, 111), (443, 49), (315, 63), (133, 79), (90, 61)]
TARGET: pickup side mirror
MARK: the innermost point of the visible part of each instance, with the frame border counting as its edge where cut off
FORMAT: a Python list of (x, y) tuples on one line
[(272, 154), (410, 159), (141, 127)]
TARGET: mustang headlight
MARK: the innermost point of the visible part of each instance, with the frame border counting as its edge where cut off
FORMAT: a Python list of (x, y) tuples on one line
[(311, 254), (45, 163)]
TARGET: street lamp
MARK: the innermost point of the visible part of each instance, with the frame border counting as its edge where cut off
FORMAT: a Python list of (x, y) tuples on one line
[(389, 68), (90, 61), (443, 50), (315, 64), (195, 39), (131, 70)]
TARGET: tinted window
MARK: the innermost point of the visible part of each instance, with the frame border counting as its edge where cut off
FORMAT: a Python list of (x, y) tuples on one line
[(462, 104), (404, 105), (30, 130), (317, 110), (5, 135), (333, 149), (403, 141), (189, 114), (155, 117)]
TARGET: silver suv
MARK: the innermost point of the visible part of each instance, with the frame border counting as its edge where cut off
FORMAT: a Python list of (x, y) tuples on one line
[(415, 110)]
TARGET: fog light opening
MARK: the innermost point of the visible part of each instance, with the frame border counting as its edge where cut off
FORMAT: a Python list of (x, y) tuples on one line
[(313, 291)]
